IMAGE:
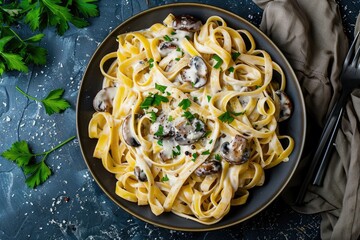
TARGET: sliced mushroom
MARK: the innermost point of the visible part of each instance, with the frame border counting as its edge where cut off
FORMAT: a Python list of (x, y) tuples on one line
[(196, 73), (127, 132), (103, 100), (208, 168), (166, 47), (166, 126), (285, 106), (237, 151), (140, 174), (188, 132), (187, 23)]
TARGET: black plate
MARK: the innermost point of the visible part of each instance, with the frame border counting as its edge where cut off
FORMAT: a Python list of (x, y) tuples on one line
[(276, 178)]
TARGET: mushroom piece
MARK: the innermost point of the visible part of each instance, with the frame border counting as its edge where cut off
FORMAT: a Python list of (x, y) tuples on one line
[(285, 106), (208, 168), (196, 73), (166, 47), (189, 131), (237, 151), (103, 100), (139, 174), (127, 132), (166, 126), (187, 23)]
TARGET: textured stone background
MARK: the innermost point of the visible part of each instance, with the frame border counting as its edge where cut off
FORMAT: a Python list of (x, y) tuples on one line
[(70, 205)]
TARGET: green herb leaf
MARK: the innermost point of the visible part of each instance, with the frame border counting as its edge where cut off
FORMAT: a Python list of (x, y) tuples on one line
[(151, 63), (231, 69), (38, 172), (173, 33), (53, 103), (188, 115), (217, 157), (153, 100), (147, 102), (208, 133), (208, 98), (160, 142), (170, 118), (152, 116), (211, 141), (195, 99), (218, 60), (160, 131), (177, 59), (207, 152), (176, 153), (161, 88), (194, 156), (226, 117), (185, 104), (235, 55), (165, 178), (198, 127), (158, 99), (167, 38), (18, 153)]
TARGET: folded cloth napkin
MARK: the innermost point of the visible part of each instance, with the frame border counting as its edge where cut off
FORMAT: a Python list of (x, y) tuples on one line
[(311, 35)]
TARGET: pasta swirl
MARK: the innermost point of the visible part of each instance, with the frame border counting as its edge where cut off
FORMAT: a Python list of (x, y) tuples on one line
[(188, 116)]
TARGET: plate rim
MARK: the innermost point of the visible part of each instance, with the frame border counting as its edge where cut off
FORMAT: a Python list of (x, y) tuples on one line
[(290, 71)]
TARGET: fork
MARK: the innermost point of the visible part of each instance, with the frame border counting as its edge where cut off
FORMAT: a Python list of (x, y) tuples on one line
[(350, 79)]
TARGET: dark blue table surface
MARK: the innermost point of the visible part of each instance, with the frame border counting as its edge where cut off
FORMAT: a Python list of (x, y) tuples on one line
[(70, 205)]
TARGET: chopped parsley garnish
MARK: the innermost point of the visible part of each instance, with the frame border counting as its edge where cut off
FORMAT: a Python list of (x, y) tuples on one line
[(151, 63), (226, 117), (161, 88), (198, 127), (160, 131), (231, 69), (210, 142), (170, 118), (160, 142), (195, 99), (173, 33), (207, 152), (194, 156), (152, 116), (218, 60), (176, 153), (178, 49), (167, 38), (217, 157), (208, 98), (208, 133), (167, 93), (165, 178), (187, 37), (177, 59), (185, 104), (153, 100), (235, 55), (188, 115)]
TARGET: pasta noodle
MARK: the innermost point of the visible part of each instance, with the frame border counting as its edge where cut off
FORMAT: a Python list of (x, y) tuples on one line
[(187, 119)]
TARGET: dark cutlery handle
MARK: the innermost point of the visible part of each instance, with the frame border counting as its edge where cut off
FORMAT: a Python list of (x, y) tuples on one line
[(326, 139)]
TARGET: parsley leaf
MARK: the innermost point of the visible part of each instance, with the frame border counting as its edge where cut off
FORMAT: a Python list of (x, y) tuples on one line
[(153, 100), (152, 116), (165, 178), (160, 131), (36, 172), (226, 117), (18, 153), (207, 152), (218, 60), (217, 157), (231, 69), (235, 55), (176, 153), (208, 98), (170, 118), (194, 156), (188, 115), (160, 142), (185, 104), (167, 38), (53, 103), (161, 88)]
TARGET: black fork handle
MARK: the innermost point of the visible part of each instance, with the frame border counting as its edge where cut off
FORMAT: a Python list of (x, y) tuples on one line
[(320, 161)]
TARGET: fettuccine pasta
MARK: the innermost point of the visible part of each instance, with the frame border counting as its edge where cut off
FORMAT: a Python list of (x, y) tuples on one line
[(187, 119)]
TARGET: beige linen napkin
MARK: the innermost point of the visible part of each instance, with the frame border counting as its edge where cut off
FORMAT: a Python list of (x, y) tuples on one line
[(311, 36)]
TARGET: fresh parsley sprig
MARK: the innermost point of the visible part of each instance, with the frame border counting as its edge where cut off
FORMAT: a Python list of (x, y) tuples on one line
[(17, 53), (227, 117), (36, 172), (153, 100), (53, 103)]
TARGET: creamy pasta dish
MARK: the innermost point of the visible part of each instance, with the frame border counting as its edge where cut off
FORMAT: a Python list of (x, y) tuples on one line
[(187, 119)]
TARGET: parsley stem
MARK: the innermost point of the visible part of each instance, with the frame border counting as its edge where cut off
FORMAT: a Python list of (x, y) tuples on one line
[(27, 95), (54, 148), (16, 35)]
